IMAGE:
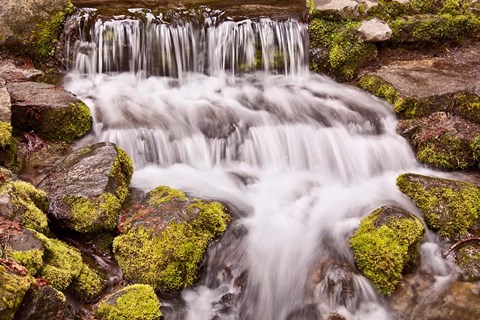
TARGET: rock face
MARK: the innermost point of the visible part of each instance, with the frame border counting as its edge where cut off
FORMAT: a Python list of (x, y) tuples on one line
[(386, 243), (164, 238), (86, 190), (374, 30), (135, 302), (49, 110), (449, 206)]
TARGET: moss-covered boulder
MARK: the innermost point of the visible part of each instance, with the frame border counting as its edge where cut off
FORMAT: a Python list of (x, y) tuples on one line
[(165, 237), (13, 287), (86, 190), (444, 140), (48, 110), (64, 268), (46, 303), (135, 302), (467, 257), (32, 26), (22, 202), (385, 244), (452, 207)]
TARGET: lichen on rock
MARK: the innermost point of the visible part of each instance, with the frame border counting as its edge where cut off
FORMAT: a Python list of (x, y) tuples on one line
[(452, 207), (386, 243), (135, 302), (165, 238)]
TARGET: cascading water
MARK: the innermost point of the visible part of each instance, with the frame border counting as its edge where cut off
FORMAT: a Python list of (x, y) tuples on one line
[(228, 111)]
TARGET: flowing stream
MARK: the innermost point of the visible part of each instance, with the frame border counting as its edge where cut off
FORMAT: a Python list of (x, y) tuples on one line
[(228, 111)]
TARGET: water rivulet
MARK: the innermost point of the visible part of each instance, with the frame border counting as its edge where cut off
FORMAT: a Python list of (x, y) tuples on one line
[(228, 111)]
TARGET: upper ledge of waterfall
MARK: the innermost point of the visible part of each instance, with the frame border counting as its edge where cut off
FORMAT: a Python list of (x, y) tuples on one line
[(235, 9)]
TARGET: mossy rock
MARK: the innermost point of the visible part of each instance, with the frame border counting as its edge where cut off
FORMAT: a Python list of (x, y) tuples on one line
[(336, 49), (65, 269), (468, 259), (467, 105), (165, 238), (385, 244), (51, 111), (452, 207), (8, 147), (46, 303), (13, 288), (22, 202), (88, 187), (22, 246), (135, 302)]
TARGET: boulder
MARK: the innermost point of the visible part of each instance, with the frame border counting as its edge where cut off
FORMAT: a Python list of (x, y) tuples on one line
[(14, 284), (386, 243), (468, 259), (342, 8), (452, 207), (48, 110), (18, 69), (444, 140), (23, 203), (374, 30), (86, 190), (135, 302), (46, 303), (165, 237)]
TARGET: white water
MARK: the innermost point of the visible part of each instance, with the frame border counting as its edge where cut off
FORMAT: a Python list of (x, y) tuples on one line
[(298, 158)]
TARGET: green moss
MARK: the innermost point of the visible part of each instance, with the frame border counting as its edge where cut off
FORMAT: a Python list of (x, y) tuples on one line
[(169, 259), (467, 105), (135, 302), (468, 259), (62, 263), (446, 152), (121, 172), (88, 285), (92, 215), (8, 147), (66, 124), (12, 291), (379, 87), (32, 202), (31, 259), (475, 147), (382, 252), (42, 42), (343, 53), (449, 206), (5, 134), (163, 194)]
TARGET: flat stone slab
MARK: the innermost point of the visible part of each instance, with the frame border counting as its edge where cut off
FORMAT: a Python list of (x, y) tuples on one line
[(457, 71)]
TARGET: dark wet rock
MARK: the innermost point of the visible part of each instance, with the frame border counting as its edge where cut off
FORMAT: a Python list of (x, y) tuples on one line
[(48, 110), (23, 203), (444, 140), (14, 284), (468, 259), (385, 245), (135, 302), (442, 79), (45, 303), (165, 236), (86, 190), (307, 312), (452, 207)]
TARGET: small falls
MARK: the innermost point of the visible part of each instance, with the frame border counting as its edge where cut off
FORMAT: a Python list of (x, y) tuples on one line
[(227, 110)]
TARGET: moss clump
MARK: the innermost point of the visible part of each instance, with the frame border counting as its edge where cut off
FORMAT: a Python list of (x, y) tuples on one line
[(42, 42), (32, 203), (468, 259), (168, 259), (339, 50), (8, 147), (88, 284), (449, 206), (5, 134), (446, 152), (12, 291), (66, 124), (121, 172), (31, 259), (92, 215), (135, 302), (379, 87), (467, 105), (382, 250), (163, 194)]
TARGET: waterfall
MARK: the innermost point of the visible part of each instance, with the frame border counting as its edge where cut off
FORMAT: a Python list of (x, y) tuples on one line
[(228, 111)]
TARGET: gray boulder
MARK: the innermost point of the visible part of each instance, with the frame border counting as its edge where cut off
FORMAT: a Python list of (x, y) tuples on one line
[(374, 30)]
